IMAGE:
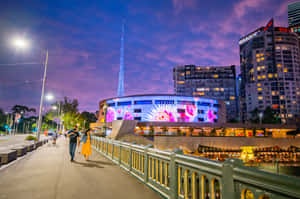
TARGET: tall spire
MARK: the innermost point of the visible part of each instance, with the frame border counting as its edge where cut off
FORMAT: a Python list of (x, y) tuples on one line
[(121, 72)]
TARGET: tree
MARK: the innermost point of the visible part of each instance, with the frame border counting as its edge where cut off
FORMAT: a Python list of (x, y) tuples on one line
[(269, 116), (86, 118), (2, 118), (22, 109)]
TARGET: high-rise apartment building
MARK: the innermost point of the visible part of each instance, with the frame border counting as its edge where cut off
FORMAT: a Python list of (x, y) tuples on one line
[(294, 14), (270, 72), (209, 81)]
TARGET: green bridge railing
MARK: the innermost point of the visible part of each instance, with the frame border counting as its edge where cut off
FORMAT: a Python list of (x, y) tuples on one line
[(178, 176)]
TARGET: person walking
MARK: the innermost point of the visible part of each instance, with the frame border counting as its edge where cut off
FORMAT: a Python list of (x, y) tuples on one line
[(86, 146), (74, 140)]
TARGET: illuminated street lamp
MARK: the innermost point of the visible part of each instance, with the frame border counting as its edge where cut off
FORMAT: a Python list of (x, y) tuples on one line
[(54, 107), (23, 44), (49, 97), (20, 43)]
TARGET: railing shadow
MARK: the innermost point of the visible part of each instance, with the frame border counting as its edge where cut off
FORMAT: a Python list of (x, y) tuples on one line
[(100, 162), (90, 165)]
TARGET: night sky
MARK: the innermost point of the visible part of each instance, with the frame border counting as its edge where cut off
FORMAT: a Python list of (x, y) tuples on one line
[(83, 39)]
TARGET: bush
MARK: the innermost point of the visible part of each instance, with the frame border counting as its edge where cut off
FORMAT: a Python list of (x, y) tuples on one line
[(30, 138)]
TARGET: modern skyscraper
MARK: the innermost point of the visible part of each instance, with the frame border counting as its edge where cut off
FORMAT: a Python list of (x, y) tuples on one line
[(211, 82), (121, 72), (270, 72), (294, 14)]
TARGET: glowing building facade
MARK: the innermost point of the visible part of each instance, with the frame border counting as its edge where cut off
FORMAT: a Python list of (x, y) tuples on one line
[(270, 72), (166, 108)]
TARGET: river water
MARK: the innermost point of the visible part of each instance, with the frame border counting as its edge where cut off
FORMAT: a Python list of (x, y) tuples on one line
[(286, 169)]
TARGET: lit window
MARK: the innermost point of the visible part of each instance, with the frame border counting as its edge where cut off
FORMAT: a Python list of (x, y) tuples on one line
[(262, 67), (232, 97), (260, 97), (222, 89), (281, 106), (261, 54), (257, 55), (294, 102), (180, 82), (207, 89), (182, 74), (285, 70), (277, 47), (217, 89), (198, 68), (273, 93), (259, 89), (216, 76), (188, 72), (270, 75), (258, 60), (281, 97), (258, 68), (258, 77), (262, 58), (290, 115), (201, 93), (259, 84), (275, 75), (279, 65), (264, 77), (200, 89)]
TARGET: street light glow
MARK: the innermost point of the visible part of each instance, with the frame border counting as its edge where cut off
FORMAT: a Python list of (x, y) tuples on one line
[(54, 107), (49, 97), (20, 43)]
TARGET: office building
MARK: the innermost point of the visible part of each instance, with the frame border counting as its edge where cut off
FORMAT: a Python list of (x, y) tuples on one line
[(210, 82), (270, 71)]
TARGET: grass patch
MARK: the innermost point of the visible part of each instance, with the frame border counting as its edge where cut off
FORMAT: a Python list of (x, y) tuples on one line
[(31, 138)]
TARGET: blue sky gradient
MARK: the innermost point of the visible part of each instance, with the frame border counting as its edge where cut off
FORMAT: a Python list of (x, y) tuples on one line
[(83, 39)]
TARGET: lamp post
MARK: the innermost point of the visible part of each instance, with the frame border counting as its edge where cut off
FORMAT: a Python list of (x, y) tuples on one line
[(21, 43), (42, 99)]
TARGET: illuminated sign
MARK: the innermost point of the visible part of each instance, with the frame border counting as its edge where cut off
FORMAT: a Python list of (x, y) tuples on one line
[(163, 108)]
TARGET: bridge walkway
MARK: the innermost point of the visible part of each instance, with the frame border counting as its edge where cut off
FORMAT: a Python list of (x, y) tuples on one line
[(48, 174)]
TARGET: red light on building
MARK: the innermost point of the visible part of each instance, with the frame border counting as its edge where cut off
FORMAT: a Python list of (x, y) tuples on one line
[(282, 29), (269, 25), (275, 106)]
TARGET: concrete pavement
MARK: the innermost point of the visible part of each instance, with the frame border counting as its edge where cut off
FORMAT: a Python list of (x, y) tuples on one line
[(48, 173), (10, 140)]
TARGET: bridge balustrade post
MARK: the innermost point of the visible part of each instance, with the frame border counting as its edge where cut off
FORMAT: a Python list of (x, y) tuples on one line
[(106, 152), (227, 185), (174, 175), (120, 153), (146, 160), (112, 150), (130, 158)]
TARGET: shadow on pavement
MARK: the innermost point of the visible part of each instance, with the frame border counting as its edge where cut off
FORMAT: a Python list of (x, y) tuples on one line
[(100, 162), (91, 165)]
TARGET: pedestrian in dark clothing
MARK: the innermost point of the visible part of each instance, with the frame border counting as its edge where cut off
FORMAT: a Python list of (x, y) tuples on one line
[(74, 140)]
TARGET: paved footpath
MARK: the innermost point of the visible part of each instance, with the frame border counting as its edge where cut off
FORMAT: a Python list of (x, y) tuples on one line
[(7, 141), (47, 173)]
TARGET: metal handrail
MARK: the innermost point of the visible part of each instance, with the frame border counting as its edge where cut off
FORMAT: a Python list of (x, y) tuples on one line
[(175, 175)]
